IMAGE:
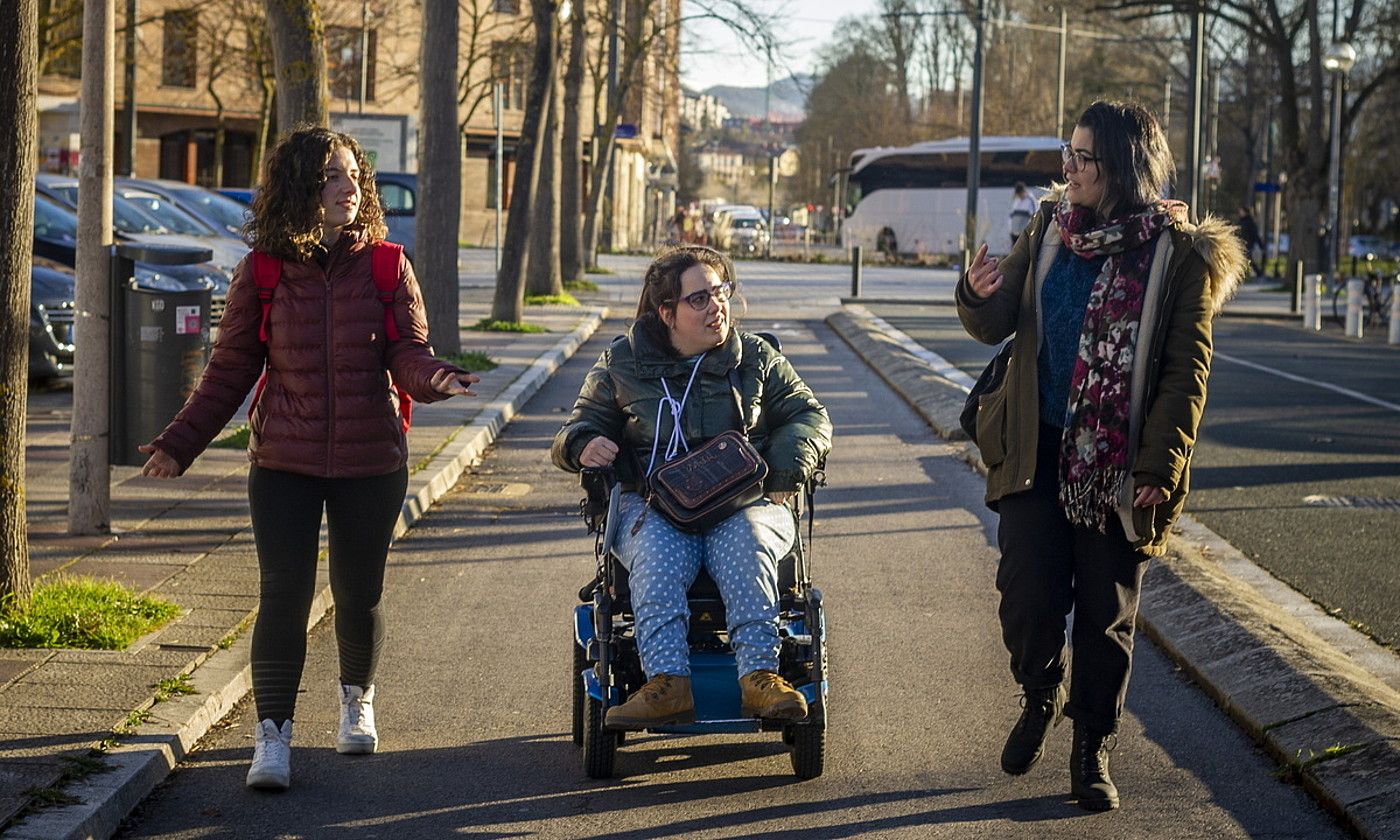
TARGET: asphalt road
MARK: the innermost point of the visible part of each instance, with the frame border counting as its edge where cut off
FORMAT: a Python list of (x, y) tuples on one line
[(1300, 476), (473, 690)]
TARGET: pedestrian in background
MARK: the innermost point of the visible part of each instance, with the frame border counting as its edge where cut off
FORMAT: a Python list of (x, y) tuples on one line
[(1022, 208), (1110, 294), (326, 430), (1248, 233)]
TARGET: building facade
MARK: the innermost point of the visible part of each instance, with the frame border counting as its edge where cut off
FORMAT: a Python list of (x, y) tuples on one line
[(203, 99)]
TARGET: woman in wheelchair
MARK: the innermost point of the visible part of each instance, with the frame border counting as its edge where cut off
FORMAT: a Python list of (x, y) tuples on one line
[(655, 393)]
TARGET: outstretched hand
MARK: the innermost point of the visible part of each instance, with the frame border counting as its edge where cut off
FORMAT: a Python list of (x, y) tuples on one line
[(983, 276), (159, 465), (454, 384)]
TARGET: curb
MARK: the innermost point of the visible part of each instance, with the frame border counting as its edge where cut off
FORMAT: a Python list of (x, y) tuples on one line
[(144, 758), (1321, 698)]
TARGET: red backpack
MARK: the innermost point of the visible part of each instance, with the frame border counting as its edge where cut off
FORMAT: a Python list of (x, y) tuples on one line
[(384, 267)]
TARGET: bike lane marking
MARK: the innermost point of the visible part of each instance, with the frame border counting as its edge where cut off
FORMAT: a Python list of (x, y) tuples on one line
[(1346, 392)]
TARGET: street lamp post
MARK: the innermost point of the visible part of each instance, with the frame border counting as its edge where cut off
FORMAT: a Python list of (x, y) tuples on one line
[(1338, 62), (974, 140)]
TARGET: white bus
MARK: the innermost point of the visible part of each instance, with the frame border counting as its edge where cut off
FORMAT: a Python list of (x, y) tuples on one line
[(911, 200)]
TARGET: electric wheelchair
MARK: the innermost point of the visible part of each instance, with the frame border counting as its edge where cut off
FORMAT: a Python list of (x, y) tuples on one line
[(607, 667)]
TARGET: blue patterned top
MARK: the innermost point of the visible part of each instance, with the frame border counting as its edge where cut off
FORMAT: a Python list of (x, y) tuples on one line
[(1063, 299)]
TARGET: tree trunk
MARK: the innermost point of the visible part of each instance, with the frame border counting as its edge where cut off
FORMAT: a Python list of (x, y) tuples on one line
[(543, 275), (220, 133), (602, 171), (19, 57), (89, 482), (570, 154), (269, 85), (439, 176), (299, 58), (509, 302)]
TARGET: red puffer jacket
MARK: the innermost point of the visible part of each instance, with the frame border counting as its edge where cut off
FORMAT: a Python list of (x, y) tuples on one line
[(328, 409)]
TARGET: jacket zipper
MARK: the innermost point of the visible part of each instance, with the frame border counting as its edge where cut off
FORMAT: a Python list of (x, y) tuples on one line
[(330, 365)]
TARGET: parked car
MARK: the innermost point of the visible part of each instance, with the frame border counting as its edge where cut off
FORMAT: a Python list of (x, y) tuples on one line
[(56, 240), (144, 216), (221, 213), (742, 233), (240, 194), (398, 192), (52, 300), (1364, 246)]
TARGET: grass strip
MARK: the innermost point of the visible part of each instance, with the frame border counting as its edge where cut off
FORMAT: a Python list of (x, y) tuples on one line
[(472, 360), (81, 612), (488, 325), (564, 299), (236, 439)]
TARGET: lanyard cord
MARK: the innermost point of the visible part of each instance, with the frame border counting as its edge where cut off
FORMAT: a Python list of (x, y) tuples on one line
[(677, 440)]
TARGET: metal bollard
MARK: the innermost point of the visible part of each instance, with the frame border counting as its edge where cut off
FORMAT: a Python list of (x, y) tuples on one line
[(1356, 291), (1394, 337), (1297, 291), (1312, 302), (855, 271)]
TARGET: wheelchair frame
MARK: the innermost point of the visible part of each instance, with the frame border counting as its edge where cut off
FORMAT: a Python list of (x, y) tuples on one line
[(605, 654)]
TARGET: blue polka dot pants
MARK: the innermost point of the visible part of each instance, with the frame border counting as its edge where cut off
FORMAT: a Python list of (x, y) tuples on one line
[(741, 554)]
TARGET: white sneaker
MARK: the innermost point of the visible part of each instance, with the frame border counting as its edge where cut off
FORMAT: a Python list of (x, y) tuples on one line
[(272, 756), (357, 733)]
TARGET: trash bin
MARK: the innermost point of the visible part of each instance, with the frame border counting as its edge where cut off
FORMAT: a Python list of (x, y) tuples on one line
[(160, 344)]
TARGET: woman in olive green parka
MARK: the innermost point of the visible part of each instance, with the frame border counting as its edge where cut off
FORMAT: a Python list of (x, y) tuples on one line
[(1109, 293), (665, 387)]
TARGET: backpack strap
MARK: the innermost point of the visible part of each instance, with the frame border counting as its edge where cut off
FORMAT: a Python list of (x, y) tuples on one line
[(267, 273), (385, 258), (384, 266)]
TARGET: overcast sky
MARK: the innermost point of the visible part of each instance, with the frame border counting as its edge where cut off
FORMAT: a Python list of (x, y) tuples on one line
[(711, 55)]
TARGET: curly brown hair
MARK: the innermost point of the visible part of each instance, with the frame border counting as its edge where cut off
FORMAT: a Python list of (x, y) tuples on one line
[(661, 286), (286, 217)]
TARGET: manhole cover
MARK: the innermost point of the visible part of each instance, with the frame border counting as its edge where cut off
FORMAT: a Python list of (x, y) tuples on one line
[(1359, 502), (513, 488)]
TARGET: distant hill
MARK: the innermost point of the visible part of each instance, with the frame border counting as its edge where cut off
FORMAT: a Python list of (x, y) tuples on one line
[(789, 100)]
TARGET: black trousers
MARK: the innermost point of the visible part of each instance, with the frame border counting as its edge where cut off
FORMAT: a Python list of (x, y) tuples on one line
[(1049, 567), (287, 509)]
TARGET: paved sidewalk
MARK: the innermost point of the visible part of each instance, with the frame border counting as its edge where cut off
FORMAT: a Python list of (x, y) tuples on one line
[(188, 540), (1320, 697)]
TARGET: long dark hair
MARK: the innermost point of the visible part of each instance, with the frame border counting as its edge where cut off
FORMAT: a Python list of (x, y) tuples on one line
[(661, 287), (286, 217), (1134, 159)]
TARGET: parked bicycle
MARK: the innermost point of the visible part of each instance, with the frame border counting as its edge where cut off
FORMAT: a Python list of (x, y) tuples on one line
[(1375, 299)]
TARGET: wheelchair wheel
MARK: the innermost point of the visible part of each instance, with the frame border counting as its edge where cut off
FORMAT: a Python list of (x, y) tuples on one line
[(808, 750), (580, 662), (599, 745)]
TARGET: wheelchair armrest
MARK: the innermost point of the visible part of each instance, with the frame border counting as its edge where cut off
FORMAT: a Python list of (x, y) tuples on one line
[(597, 486)]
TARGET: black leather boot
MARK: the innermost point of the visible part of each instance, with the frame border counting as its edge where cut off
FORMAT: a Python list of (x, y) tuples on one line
[(1042, 708), (1088, 770)]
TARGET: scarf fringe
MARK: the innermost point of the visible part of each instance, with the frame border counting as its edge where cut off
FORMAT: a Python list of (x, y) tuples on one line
[(1084, 500)]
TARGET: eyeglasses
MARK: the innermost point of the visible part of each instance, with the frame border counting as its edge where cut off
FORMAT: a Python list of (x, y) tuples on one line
[(700, 301), (1075, 160)]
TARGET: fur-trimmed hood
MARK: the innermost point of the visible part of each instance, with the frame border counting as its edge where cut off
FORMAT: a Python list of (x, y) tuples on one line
[(1214, 238)]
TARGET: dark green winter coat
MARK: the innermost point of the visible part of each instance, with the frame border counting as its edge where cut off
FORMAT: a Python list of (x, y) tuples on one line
[(1196, 269), (620, 397)]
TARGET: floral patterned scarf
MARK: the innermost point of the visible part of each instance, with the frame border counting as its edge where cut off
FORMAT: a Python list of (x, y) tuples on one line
[(1094, 457)]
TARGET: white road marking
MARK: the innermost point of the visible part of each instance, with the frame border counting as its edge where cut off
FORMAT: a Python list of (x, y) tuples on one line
[(1346, 392)]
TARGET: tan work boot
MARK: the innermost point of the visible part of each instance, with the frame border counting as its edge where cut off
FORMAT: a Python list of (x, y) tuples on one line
[(664, 699), (765, 694)]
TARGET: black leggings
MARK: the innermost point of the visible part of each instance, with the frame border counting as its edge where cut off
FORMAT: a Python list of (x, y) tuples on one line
[(286, 509)]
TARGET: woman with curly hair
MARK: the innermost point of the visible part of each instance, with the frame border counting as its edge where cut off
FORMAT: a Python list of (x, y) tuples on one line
[(308, 324)]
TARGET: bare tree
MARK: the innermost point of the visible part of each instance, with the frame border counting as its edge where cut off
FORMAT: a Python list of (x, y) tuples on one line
[(543, 276), (60, 34), (639, 32), (570, 151), (19, 57), (439, 176), (509, 302), (299, 58), (1293, 37)]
